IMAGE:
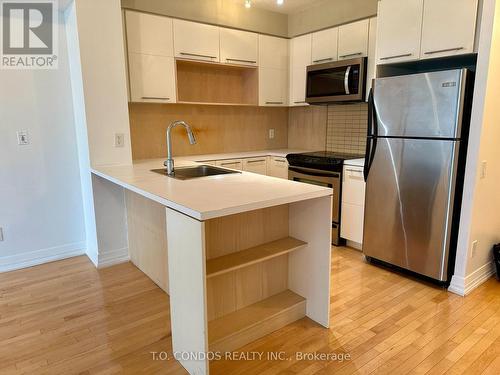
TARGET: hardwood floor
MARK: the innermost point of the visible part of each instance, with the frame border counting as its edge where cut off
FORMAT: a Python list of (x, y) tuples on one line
[(67, 317)]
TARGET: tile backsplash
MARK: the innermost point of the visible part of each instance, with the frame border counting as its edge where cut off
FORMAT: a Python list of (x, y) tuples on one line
[(346, 128)]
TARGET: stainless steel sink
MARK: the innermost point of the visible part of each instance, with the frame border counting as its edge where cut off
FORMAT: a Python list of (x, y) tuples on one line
[(188, 173)]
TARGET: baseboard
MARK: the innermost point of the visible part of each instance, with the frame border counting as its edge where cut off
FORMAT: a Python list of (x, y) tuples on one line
[(464, 285), (34, 258), (110, 258)]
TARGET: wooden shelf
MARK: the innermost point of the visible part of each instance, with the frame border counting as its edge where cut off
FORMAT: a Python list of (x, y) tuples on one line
[(247, 257), (236, 329), (202, 82)]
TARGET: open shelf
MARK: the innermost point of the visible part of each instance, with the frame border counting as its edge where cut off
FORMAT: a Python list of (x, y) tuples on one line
[(205, 82), (238, 328), (247, 257)]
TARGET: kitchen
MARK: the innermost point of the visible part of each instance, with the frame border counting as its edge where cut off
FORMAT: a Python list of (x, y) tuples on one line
[(252, 178)]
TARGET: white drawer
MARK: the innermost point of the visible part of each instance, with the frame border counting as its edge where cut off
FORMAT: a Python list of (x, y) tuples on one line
[(351, 227), (353, 185), (230, 163)]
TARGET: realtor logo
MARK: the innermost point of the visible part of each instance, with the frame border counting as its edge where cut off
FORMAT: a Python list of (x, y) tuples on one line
[(29, 34)]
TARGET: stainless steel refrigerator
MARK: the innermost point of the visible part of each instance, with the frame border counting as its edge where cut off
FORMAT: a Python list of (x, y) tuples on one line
[(415, 158)]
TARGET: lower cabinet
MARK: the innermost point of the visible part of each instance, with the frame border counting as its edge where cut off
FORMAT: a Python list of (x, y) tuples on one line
[(353, 204), (255, 165), (277, 167), (230, 163)]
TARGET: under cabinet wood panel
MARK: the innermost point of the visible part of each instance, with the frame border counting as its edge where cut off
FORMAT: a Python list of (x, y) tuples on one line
[(147, 237), (208, 83)]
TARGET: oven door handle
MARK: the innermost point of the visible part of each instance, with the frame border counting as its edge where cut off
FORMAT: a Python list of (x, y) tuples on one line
[(309, 173)]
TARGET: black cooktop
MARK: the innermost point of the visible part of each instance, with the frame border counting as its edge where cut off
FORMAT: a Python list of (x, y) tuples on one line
[(324, 160)]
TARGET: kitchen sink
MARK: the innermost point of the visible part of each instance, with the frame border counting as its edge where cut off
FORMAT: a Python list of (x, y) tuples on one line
[(187, 173)]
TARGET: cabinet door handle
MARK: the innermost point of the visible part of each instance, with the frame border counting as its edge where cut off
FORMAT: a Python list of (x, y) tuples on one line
[(233, 163), (274, 102), (352, 54), (196, 55), (301, 102), (255, 161), (353, 170), (321, 60), (396, 56), (280, 161), (155, 98), (444, 50), (240, 60)]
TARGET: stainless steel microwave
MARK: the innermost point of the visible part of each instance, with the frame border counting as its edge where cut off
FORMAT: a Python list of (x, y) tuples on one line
[(340, 81)]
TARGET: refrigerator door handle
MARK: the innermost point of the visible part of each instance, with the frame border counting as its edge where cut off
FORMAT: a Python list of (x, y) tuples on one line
[(371, 135)]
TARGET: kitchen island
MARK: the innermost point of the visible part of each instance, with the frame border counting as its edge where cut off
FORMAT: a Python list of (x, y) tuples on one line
[(247, 254)]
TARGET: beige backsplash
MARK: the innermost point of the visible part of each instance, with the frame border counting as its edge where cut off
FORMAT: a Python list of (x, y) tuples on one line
[(218, 129)]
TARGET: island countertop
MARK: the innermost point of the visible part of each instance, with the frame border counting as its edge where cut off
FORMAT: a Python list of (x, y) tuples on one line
[(208, 197)]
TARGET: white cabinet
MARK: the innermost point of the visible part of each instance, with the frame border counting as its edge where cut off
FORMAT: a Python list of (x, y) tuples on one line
[(151, 78), (300, 58), (273, 71), (353, 40), (255, 165), (353, 204), (230, 163), (448, 27), (399, 28), (325, 46), (149, 34), (150, 58), (238, 47), (277, 167), (371, 67), (196, 41)]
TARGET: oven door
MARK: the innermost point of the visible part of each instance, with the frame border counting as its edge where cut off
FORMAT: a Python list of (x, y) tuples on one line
[(320, 178), (336, 82)]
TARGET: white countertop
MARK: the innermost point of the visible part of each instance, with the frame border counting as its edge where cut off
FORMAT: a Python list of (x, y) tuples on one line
[(355, 162), (209, 197)]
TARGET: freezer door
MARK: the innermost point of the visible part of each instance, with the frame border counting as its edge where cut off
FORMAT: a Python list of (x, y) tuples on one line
[(409, 199), (426, 105)]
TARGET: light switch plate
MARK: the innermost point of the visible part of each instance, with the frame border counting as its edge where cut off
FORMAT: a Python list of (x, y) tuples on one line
[(1, 234), (119, 140), (484, 166), (22, 138), (271, 133), (473, 249)]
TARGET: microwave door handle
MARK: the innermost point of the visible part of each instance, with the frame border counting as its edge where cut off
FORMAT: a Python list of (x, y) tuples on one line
[(346, 80)]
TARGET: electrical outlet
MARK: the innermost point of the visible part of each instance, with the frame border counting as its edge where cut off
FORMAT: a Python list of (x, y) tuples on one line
[(119, 139), (484, 165), (271, 133), (473, 249), (1, 234), (22, 138)]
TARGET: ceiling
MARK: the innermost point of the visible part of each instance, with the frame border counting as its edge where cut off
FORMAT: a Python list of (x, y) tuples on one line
[(288, 7)]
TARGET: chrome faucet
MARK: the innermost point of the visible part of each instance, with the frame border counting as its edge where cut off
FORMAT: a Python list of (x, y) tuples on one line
[(169, 163)]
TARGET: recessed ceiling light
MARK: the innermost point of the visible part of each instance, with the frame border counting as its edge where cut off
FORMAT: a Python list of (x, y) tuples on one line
[(280, 2), (248, 3)]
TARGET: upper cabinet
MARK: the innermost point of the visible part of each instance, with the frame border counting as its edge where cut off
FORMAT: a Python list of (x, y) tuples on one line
[(196, 41), (149, 34), (423, 29), (448, 27), (150, 58), (399, 28), (325, 46), (238, 47), (300, 58), (353, 40), (273, 71)]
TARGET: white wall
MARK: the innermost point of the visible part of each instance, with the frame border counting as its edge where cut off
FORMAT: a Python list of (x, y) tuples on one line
[(40, 197), (101, 109), (480, 219)]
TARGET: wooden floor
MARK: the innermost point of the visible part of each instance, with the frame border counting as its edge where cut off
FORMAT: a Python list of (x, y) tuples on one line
[(69, 318)]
